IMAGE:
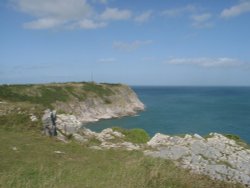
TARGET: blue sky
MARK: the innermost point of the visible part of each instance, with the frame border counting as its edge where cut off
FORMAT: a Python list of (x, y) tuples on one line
[(137, 42)]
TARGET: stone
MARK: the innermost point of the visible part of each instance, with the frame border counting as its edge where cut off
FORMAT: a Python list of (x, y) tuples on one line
[(68, 124), (33, 118), (49, 123), (158, 140), (217, 156), (198, 136), (79, 138)]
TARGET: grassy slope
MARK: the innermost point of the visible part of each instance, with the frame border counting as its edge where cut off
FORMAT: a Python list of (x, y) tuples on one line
[(34, 163), (47, 94)]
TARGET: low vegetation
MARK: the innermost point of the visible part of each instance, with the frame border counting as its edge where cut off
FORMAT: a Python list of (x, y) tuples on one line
[(138, 136), (238, 140), (99, 89), (47, 94)]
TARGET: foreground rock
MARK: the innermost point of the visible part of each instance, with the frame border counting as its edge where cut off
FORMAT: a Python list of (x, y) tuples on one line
[(68, 126), (217, 156)]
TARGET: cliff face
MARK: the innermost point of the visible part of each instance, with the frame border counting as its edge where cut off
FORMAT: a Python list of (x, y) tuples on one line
[(120, 100), (87, 101)]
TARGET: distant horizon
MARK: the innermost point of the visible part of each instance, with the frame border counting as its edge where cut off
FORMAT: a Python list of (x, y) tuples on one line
[(137, 85)]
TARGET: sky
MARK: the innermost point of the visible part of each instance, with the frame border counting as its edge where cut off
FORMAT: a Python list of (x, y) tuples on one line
[(136, 42)]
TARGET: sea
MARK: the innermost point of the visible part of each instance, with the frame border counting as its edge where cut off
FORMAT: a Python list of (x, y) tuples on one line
[(187, 110)]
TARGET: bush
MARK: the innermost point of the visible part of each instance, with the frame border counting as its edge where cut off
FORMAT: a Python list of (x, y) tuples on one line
[(233, 137), (137, 136)]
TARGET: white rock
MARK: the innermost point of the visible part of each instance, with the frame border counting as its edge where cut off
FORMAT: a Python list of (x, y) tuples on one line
[(33, 118), (217, 156), (158, 140), (198, 136)]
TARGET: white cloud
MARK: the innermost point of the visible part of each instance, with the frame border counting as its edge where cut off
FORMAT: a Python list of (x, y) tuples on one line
[(90, 24), (51, 14), (100, 1), (206, 62), (201, 17), (179, 11), (145, 16), (236, 10), (199, 20), (202, 20), (60, 9), (43, 23), (115, 14), (124, 46), (107, 60)]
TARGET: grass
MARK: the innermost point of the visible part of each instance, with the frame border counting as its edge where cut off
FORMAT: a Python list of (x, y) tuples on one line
[(34, 163), (45, 95), (98, 89), (18, 122), (48, 94)]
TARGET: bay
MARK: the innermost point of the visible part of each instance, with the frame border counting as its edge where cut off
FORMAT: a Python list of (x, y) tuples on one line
[(182, 110)]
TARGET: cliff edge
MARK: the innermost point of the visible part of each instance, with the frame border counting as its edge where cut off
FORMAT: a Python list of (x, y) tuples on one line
[(87, 101)]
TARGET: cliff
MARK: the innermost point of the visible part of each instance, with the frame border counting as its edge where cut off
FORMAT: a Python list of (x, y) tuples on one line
[(87, 101), (102, 101)]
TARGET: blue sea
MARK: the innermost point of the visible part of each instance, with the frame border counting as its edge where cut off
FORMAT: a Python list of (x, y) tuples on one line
[(181, 110)]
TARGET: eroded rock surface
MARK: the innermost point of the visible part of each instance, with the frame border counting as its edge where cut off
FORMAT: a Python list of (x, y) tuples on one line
[(122, 102), (216, 156)]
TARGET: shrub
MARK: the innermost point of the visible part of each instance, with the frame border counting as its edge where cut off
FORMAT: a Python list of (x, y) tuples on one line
[(233, 137), (137, 136)]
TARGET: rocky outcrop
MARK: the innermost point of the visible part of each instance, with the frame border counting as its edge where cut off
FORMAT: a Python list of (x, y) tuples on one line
[(68, 126), (49, 123), (122, 101), (216, 156)]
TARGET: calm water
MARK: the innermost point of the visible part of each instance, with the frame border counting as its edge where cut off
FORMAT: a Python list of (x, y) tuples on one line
[(180, 110)]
